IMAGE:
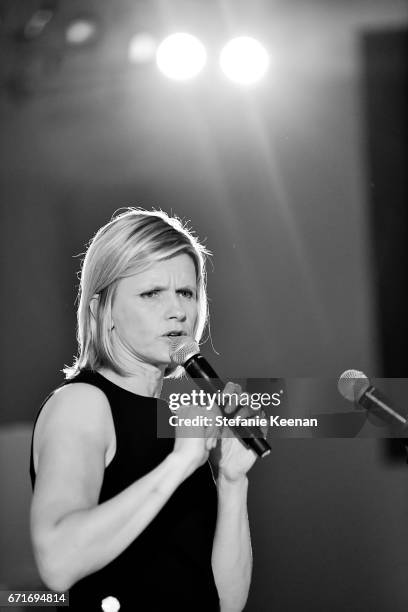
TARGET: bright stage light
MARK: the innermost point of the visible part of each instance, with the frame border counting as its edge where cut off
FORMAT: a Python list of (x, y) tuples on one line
[(244, 60), (181, 56)]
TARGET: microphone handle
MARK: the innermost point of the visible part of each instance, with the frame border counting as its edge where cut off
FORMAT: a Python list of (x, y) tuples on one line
[(373, 401), (198, 368)]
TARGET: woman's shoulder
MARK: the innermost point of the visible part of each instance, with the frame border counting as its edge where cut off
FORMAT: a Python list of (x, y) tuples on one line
[(78, 408), (77, 398)]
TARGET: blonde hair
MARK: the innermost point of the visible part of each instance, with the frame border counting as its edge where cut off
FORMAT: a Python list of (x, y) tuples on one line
[(128, 244)]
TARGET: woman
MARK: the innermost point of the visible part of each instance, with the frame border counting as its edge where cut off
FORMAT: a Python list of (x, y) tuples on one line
[(116, 511)]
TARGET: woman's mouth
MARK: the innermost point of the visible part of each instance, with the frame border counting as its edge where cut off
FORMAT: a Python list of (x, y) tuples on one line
[(174, 334)]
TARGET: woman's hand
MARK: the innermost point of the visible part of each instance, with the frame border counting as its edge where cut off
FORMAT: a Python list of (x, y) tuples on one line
[(193, 442), (232, 459)]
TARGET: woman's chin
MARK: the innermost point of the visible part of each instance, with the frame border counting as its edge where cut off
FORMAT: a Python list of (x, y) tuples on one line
[(160, 360)]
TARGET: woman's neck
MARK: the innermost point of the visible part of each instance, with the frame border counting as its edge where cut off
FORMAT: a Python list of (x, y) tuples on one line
[(145, 382)]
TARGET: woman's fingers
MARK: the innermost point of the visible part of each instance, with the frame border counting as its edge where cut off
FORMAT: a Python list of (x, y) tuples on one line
[(210, 443), (232, 392), (246, 411)]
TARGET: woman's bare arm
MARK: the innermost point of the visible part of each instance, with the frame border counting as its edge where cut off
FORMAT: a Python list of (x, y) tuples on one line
[(72, 535)]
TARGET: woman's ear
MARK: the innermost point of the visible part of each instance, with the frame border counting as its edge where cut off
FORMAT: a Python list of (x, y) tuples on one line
[(93, 305)]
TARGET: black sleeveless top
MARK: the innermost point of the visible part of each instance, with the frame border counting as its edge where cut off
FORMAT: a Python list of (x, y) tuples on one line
[(168, 566)]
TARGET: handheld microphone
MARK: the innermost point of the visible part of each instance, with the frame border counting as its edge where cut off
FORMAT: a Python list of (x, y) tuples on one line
[(185, 352), (356, 387)]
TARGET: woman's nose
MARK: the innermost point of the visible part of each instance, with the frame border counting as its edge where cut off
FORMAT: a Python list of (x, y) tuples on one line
[(175, 309)]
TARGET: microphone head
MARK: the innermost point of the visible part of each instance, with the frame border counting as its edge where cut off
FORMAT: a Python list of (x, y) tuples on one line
[(182, 348), (352, 384)]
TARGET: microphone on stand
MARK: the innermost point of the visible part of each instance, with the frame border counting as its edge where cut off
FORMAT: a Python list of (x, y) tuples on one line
[(185, 352), (356, 387)]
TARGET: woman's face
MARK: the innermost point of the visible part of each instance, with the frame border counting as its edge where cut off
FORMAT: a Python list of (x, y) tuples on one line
[(149, 305)]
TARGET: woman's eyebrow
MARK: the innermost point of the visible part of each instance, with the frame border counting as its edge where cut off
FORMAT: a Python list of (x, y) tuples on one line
[(159, 287), (153, 287), (187, 286)]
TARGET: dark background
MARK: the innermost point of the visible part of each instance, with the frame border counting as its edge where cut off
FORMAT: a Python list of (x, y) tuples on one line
[(298, 187)]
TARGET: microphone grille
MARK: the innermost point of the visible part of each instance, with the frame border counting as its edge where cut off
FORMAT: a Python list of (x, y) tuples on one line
[(181, 349), (352, 384)]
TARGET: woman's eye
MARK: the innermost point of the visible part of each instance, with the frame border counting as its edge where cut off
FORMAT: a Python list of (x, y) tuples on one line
[(186, 293), (148, 294)]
